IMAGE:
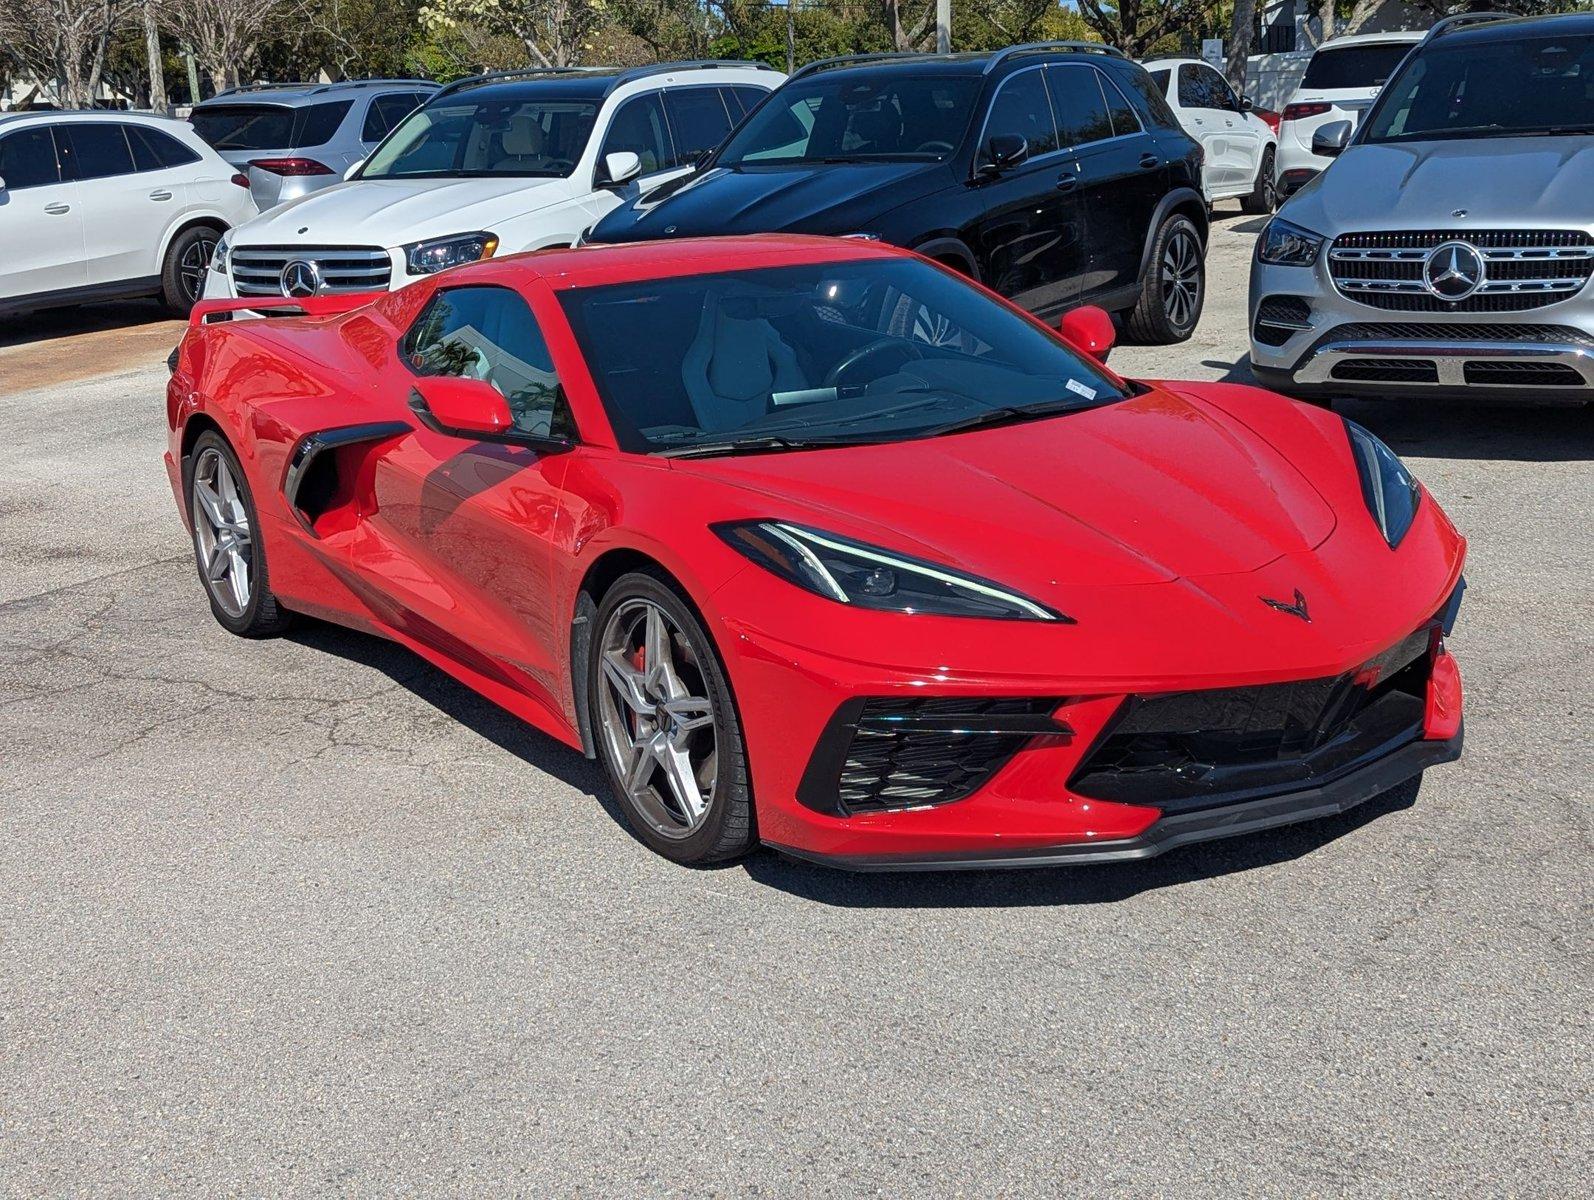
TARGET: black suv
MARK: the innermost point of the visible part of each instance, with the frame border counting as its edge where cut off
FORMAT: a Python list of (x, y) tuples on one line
[(1054, 173)]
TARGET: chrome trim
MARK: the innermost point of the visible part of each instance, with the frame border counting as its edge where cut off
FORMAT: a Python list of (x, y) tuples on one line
[(1448, 358)]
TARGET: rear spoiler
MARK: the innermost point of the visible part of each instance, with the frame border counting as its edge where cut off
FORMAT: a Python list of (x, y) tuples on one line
[(207, 312)]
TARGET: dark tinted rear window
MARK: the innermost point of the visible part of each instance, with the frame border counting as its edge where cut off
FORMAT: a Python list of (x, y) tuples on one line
[(27, 159), (697, 119), (99, 150), (319, 122), (747, 97), (155, 151), (1081, 112), (1153, 105), (268, 126), (1354, 66)]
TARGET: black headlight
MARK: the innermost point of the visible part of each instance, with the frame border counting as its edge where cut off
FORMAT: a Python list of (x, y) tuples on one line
[(1285, 245), (1391, 493), (857, 573)]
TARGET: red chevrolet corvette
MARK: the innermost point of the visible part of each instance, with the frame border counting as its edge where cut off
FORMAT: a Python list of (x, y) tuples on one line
[(816, 544)]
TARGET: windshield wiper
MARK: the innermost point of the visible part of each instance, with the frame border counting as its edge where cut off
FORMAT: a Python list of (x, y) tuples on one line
[(1008, 415), (751, 445)]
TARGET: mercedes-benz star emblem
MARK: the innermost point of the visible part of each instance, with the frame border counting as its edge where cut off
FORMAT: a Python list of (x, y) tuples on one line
[(1298, 609), (1453, 271), (299, 279)]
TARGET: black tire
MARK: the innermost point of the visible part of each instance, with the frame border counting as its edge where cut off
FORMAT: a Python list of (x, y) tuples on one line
[(1264, 198), (260, 615), (1178, 261), (180, 286), (726, 828)]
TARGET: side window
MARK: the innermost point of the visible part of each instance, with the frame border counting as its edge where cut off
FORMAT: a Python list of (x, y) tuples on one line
[(698, 121), (27, 159), (1195, 88), (156, 151), (1153, 99), (1218, 88), (489, 333), (319, 122), (1124, 120), (1020, 106), (639, 127), (747, 97), (1081, 112), (99, 150), (385, 113)]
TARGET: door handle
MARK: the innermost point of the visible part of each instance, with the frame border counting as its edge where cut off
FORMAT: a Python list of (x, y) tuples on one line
[(56, 210), (1067, 182), (163, 194), (1148, 161)]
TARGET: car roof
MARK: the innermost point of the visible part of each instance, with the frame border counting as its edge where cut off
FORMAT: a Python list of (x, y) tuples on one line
[(90, 114), (1369, 39), (1157, 64), (964, 63), (565, 268), (289, 95), (597, 82), (1553, 25)]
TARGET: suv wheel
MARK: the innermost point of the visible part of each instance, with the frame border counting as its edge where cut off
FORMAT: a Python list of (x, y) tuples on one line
[(1174, 288), (183, 273), (1264, 197)]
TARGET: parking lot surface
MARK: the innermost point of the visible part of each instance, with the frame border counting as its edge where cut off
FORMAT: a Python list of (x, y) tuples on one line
[(304, 916)]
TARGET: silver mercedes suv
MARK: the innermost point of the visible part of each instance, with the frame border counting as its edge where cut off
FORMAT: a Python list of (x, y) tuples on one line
[(1448, 249)]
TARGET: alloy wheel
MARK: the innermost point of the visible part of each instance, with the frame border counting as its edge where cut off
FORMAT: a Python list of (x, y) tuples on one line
[(192, 266), (221, 533), (657, 721), (1181, 278)]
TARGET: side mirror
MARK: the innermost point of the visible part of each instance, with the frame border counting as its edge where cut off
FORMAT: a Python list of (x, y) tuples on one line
[(1245, 104), (1090, 329), (1005, 151), (620, 167), (354, 169), (1329, 140), (2, 183), (473, 410)]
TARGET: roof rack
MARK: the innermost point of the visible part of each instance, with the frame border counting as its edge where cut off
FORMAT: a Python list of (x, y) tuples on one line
[(1460, 20), (471, 81), (316, 89), (848, 60), (1002, 56), (617, 75)]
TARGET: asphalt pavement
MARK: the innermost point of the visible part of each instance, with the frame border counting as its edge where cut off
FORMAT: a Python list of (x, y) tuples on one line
[(305, 917)]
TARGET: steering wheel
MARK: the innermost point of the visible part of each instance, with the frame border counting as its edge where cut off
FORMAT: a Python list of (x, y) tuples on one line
[(865, 353), (935, 146)]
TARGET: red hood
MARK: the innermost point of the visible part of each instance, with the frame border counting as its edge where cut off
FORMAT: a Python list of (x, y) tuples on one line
[(1158, 487)]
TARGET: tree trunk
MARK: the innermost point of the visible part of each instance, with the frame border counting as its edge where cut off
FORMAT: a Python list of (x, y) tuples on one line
[(1240, 42), (1325, 20), (152, 47)]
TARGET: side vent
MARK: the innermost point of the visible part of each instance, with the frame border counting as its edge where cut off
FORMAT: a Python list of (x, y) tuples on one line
[(314, 484)]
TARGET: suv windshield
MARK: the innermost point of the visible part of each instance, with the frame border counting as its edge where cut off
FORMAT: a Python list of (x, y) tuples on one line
[(889, 118), (522, 137), (820, 354), (1353, 66), (1498, 88)]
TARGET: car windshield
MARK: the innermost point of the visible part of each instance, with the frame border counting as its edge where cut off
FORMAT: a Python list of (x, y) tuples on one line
[(459, 138), (890, 118), (821, 354), (1518, 87), (1353, 66)]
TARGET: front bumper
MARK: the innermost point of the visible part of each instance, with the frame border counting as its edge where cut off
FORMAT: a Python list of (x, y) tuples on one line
[(1180, 829)]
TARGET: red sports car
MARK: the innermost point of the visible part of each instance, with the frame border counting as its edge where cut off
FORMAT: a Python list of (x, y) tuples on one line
[(817, 544)]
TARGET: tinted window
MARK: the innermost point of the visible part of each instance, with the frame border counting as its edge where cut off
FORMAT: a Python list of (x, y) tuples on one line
[(891, 117), (156, 151), (1153, 101), (1354, 66), (747, 97), (1124, 119), (1218, 88), (1195, 88), (776, 352), (489, 333), (1160, 78), (1021, 107), (27, 159), (386, 112), (99, 151), (1081, 112), (528, 138), (244, 126), (639, 127), (698, 121), (317, 123), (1498, 88)]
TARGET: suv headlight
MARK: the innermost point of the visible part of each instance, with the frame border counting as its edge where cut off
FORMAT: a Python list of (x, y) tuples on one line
[(1392, 494), (438, 254), (1286, 245), (867, 576)]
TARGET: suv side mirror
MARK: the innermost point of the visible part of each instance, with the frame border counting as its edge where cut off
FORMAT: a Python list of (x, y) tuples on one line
[(1245, 104), (474, 410), (1329, 140), (1089, 329), (1005, 151), (620, 167)]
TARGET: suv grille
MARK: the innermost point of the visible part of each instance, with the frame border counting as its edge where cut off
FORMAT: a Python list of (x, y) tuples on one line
[(257, 270), (881, 754), (1190, 750), (1455, 331), (1524, 269)]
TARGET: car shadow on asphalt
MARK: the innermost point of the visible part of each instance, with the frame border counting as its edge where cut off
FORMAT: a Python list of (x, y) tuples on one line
[(52, 323), (1105, 883)]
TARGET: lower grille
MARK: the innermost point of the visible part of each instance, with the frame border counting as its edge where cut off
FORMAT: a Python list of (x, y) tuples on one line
[(1387, 370), (1193, 749), (1457, 331), (1279, 318), (1522, 374), (257, 270), (883, 754)]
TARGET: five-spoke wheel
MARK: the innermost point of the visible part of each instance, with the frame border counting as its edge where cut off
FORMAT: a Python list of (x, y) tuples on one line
[(227, 549)]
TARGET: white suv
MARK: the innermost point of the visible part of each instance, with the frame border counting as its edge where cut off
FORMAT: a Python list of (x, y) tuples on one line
[(1341, 82), (102, 205), (501, 163), (1238, 147)]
